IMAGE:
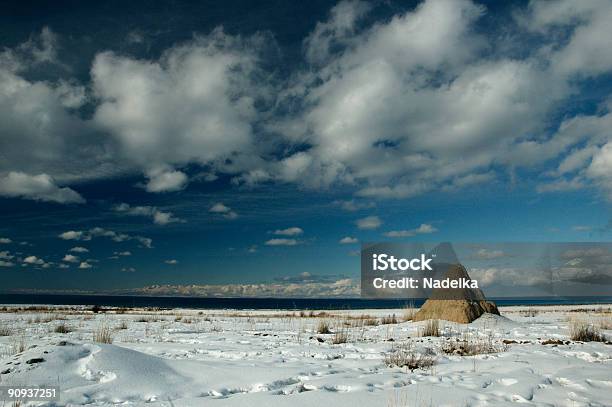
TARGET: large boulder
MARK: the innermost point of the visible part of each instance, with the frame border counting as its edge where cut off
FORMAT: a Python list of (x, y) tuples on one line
[(457, 305)]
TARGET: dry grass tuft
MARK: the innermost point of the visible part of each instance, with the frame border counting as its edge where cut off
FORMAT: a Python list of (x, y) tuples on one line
[(103, 335), (605, 323), (585, 332), (404, 356), (409, 312), (431, 328), (62, 328), (340, 337), (370, 322), (323, 327), (5, 331), (389, 319), (470, 346)]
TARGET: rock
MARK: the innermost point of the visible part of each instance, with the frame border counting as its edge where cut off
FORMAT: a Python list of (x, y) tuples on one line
[(553, 342), (456, 305)]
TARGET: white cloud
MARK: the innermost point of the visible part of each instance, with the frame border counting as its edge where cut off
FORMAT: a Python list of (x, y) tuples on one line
[(33, 260), (69, 258), (84, 265), (353, 205), (36, 187), (128, 269), (79, 249), (4, 263), (224, 210), (171, 261), (219, 207), (335, 31), (485, 254), (164, 179), (424, 228), (101, 232), (348, 240), (281, 242), (6, 255), (423, 101), (125, 253), (292, 231), (73, 235), (252, 249), (582, 228), (400, 233), (194, 104), (159, 217), (5, 240), (369, 222)]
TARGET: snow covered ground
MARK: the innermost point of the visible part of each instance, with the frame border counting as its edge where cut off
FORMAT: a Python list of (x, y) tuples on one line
[(277, 358)]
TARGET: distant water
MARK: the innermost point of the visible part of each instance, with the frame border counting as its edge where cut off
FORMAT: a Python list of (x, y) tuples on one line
[(264, 303)]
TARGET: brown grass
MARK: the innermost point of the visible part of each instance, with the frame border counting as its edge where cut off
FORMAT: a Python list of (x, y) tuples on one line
[(404, 356), (389, 319), (323, 327), (62, 328), (5, 331), (103, 335), (585, 332), (340, 337), (470, 346), (431, 328)]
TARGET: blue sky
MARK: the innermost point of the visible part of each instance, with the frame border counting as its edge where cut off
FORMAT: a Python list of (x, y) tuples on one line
[(238, 144)]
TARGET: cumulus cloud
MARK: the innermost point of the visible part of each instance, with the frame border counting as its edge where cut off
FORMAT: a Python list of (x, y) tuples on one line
[(74, 235), (292, 231), (282, 242), (353, 205), (159, 217), (101, 232), (5, 240), (486, 254), (6, 259), (79, 249), (348, 240), (369, 222), (33, 260), (84, 265), (171, 261), (424, 228), (223, 210), (39, 187), (69, 258), (44, 142), (6, 255), (194, 104), (165, 179), (125, 253), (423, 101)]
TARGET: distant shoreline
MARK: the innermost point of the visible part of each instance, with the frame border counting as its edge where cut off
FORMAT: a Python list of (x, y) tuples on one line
[(266, 303)]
